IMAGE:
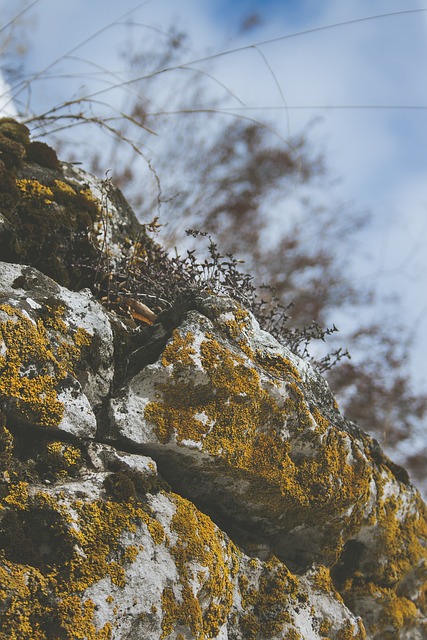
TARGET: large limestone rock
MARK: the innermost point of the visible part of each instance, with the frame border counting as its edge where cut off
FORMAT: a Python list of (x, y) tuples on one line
[(192, 479), (252, 435)]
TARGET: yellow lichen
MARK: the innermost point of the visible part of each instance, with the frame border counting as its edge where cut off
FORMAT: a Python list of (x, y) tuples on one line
[(33, 365), (199, 544), (266, 600), (76, 619), (131, 553), (179, 351), (399, 546), (83, 545), (17, 495), (236, 419), (155, 529), (352, 632), (117, 574), (34, 189), (236, 326), (325, 627), (64, 187), (323, 581), (62, 459), (277, 365)]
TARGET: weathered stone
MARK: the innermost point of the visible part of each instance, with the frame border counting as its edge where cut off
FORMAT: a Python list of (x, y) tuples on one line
[(252, 435), (145, 565), (56, 352), (193, 479), (58, 218)]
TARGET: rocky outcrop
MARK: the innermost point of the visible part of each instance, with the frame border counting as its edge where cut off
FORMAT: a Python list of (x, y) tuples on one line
[(186, 478)]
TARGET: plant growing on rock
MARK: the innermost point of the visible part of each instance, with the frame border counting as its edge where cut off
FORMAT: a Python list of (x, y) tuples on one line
[(229, 179)]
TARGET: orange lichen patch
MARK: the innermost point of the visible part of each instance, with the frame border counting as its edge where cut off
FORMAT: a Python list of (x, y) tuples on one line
[(266, 601), (53, 550), (400, 546), (277, 365), (199, 544), (179, 351), (35, 189), (234, 418), (32, 365)]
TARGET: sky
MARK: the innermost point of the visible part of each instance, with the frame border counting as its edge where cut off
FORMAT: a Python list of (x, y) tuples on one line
[(355, 77)]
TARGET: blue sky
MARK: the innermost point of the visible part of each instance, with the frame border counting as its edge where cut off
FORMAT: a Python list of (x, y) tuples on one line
[(379, 154)]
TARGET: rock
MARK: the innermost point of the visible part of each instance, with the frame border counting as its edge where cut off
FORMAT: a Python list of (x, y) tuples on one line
[(251, 434), (56, 347), (192, 479), (56, 217), (112, 554)]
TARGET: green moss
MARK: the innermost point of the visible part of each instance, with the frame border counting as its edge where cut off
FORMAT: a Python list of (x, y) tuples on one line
[(10, 128), (9, 192), (53, 222), (32, 367), (43, 155), (12, 152), (129, 483), (52, 227)]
